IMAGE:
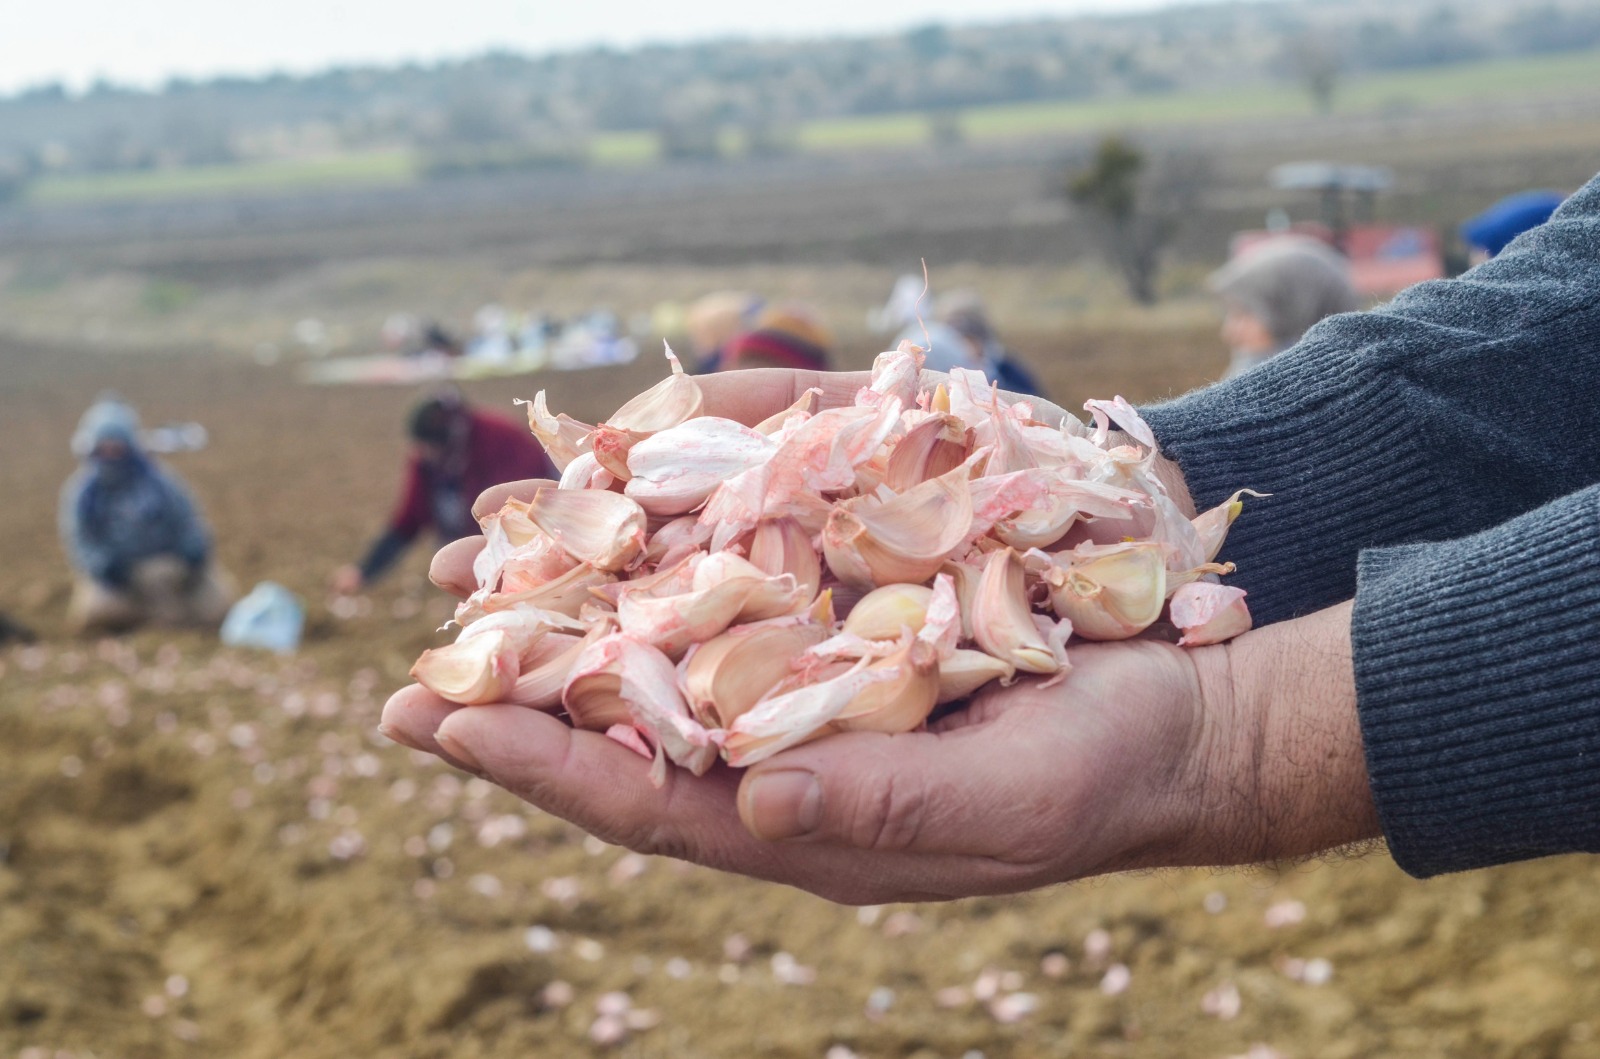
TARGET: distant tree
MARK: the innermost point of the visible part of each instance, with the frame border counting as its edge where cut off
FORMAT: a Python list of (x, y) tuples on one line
[(944, 127), (1135, 205), (928, 42), (688, 138), (1317, 63)]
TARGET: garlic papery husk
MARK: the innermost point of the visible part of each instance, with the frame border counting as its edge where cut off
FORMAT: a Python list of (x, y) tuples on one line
[(650, 688), (1003, 623), (544, 672), (1108, 592), (937, 445), (472, 671), (676, 541), (565, 594), (675, 470), (964, 672), (724, 677), (792, 718), (783, 546), (820, 456), (537, 564), (563, 437), (1119, 411), (1208, 613), (1062, 503), (603, 529), (900, 703), (673, 400), (906, 538), (805, 407), (592, 694), (886, 613), (895, 374)]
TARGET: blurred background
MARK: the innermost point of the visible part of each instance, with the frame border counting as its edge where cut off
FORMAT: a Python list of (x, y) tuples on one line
[(272, 235)]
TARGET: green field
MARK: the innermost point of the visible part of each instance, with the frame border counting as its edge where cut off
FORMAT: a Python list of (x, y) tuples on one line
[(1500, 80)]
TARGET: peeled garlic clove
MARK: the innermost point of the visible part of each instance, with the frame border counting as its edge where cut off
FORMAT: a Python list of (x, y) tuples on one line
[(1109, 592), (964, 672), (886, 613), (937, 445), (563, 437), (601, 528), (783, 546), (794, 717), (675, 470), (472, 671), (900, 703), (1002, 621), (1208, 613), (726, 676), (903, 539)]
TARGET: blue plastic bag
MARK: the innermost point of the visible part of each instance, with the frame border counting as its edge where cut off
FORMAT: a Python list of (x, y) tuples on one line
[(270, 617)]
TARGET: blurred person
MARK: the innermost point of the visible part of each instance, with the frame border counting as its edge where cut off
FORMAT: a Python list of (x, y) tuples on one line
[(1424, 572), (785, 336), (1274, 292), (1489, 232), (13, 631), (963, 311), (140, 550), (716, 319), (456, 452)]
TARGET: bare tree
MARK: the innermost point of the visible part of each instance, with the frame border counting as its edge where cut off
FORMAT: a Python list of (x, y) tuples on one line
[(1135, 204), (1317, 63)]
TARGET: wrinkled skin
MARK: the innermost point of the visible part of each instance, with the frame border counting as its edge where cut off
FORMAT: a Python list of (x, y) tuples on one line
[(1145, 755)]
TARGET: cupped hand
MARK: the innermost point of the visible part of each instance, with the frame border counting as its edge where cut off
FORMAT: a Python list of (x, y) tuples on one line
[(1027, 786)]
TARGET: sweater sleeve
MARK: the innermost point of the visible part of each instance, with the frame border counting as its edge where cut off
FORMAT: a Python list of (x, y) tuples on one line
[(1459, 405), (1478, 678)]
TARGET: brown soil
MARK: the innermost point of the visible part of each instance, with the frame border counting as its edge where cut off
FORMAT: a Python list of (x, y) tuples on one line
[(210, 852)]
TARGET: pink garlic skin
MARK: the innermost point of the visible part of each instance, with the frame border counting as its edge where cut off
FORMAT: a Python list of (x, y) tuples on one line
[(1209, 614)]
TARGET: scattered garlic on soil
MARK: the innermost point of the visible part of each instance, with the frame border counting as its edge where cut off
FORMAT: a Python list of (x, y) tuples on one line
[(697, 589)]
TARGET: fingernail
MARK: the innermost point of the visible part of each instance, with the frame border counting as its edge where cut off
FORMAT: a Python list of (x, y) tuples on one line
[(458, 750), (783, 804), (394, 735)]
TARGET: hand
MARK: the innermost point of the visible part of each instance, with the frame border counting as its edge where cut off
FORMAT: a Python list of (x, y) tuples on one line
[(1146, 755), (347, 580)]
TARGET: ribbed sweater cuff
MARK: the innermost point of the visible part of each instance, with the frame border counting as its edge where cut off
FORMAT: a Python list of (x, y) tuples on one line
[(1477, 672), (1342, 467)]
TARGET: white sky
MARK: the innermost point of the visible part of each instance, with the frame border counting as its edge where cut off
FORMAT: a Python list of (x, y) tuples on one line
[(143, 42)]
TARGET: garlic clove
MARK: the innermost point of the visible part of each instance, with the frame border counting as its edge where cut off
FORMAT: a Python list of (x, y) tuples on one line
[(585, 472), (937, 445), (472, 671), (794, 717), (618, 680), (900, 703), (563, 437), (964, 672), (1212, 526), (783, 546), (724, 677), (1003, 623), (1109, 592), (674, 400), (907, 538), (676, 541), (1208, 614), (675, 470), (886, 613), (805, 407), (544, 672), (595, 526)]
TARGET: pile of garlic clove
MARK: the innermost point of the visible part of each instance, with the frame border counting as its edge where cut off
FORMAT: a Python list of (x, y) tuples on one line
[(696, 588)]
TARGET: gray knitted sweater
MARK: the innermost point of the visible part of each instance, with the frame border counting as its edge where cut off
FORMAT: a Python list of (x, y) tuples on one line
[(1438, 460)]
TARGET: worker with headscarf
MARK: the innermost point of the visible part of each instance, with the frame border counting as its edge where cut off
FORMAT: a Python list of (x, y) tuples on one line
[(456, 453), (139, 548)]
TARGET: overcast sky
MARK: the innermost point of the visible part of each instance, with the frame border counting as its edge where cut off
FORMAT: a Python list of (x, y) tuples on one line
[(144, 42)]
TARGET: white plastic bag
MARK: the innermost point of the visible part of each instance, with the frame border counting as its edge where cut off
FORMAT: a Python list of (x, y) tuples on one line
[(270, 617)]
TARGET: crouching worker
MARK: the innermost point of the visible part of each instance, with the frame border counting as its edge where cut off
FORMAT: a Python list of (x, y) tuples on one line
[(140, 551), (456, 453)]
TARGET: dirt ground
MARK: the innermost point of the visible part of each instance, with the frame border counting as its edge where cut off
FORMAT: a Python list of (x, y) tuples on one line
[(211, 852)]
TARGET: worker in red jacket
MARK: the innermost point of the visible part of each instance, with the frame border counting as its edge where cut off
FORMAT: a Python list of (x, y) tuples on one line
[(457, 452)]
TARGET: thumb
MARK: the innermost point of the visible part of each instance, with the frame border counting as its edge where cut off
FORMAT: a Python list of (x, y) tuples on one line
[(919, 792)]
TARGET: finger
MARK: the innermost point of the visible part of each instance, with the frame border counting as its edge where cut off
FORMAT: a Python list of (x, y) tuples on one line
[(412, 717), (604, 788), (494, 498), (981, 790), (451, 568), (753, 395)]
